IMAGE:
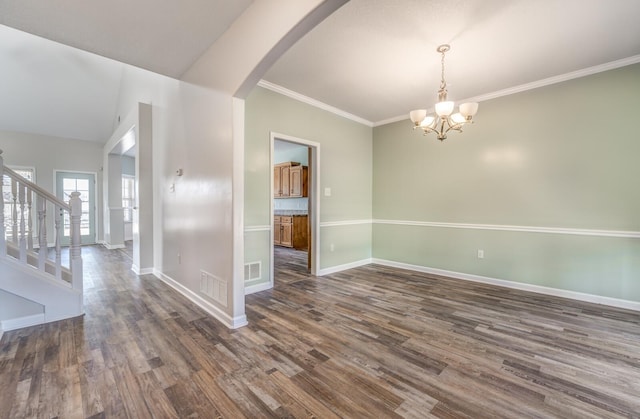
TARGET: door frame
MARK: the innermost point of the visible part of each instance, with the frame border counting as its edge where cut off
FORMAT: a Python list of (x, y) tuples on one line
[(95, 196), (314, 200)]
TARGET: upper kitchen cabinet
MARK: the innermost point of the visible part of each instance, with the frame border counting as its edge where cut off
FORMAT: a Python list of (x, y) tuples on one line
[(290, 180)]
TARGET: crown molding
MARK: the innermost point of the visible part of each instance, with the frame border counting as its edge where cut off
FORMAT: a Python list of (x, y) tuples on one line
[(557, 79), (313, 102), (534, 85), (481, 98)]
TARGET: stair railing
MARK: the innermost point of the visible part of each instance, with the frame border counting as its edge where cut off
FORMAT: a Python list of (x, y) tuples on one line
[(16, 228)]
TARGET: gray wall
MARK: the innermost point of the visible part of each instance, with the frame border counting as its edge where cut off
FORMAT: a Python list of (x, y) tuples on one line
[(47, 154)]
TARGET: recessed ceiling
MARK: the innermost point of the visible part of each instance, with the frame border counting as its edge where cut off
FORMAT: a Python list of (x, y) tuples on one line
[(377, 59)]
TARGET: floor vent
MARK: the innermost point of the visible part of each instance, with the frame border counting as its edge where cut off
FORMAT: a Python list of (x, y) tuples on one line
[(213, 287), (252, 271)]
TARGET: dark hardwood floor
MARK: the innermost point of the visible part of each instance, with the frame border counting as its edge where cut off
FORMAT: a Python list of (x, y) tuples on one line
[(369, 342)]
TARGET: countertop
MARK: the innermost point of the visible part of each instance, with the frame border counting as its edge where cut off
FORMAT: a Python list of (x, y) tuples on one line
[(290, 213)]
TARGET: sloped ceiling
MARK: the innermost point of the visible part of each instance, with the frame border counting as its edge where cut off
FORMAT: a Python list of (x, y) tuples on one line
[(163, 36), (375, 59), (52, 89)]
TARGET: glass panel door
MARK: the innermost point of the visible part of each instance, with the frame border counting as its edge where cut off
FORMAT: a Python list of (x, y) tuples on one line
[(68, 182)]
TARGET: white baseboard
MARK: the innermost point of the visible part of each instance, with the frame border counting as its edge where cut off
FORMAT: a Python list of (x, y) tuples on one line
[(114, 246), (251, 289), (20, 322), (339, 268), (556, 292), (146, 271), (224, 318)]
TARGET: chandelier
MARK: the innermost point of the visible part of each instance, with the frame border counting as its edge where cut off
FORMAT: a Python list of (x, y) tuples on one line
[(444, 120)]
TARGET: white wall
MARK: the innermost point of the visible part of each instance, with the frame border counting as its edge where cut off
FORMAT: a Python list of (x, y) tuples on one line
[(13, 306), (198, 126), (48, 154)]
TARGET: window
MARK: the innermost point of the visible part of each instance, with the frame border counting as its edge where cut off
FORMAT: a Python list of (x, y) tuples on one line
[(8, 198), (128, 197)]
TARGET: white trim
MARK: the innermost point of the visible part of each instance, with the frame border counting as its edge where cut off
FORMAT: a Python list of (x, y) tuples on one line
[(136, 270), (488, 96), (314, 198), (50, 319), (528, 229), (344, 267), (251, 229), (20, 322), (557, 79), (114, 246), (533, 85), (94, 240), (251, 289), (224, 318), (313, 102), (539, 289), (236, 300), (344, 223)]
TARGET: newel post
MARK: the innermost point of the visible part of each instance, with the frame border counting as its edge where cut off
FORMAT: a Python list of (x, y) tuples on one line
[(3, 243), (75, 253)]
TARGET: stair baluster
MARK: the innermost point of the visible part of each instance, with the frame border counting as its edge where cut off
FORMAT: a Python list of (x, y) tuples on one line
[(42, 232), (14, 197), (3, 243), (57, 243), (29, 219), (23, 225), (18, 207)]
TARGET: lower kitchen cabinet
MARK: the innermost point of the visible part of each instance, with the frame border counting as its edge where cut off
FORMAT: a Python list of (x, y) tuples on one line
[(291, 231)]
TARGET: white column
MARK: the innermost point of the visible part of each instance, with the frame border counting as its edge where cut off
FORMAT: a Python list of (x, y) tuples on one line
[(143, 234), (114, 238)]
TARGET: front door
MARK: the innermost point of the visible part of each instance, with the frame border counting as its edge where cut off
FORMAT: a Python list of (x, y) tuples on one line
[(85, 183)]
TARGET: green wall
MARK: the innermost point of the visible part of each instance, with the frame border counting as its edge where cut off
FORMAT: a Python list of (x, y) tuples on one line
[(559, 160), (345, 167), (564, 156)]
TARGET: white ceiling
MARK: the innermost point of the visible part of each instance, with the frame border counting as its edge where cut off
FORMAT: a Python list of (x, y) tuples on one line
[(164, 36), (377, 59), (374, 59)]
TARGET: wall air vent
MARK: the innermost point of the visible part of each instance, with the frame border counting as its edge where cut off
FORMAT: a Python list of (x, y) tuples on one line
[(252, 271), (213, 287)]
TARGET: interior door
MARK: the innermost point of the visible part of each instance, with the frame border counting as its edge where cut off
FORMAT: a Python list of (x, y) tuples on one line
[(85, 183)]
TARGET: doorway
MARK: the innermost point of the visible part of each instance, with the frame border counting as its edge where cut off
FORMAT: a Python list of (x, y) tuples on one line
[(85, 183), (294, 209)]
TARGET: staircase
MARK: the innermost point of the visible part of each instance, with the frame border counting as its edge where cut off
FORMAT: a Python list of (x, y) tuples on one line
[(30, 269)]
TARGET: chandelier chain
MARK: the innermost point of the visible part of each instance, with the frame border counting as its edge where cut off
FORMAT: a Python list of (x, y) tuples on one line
[(443, 84)]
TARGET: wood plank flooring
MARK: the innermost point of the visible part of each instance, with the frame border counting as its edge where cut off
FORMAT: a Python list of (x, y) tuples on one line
[(369, 342)]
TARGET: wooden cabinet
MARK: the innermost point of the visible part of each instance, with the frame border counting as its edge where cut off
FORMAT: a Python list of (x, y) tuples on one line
[(290, 180), (298, 184), (291, 231)]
